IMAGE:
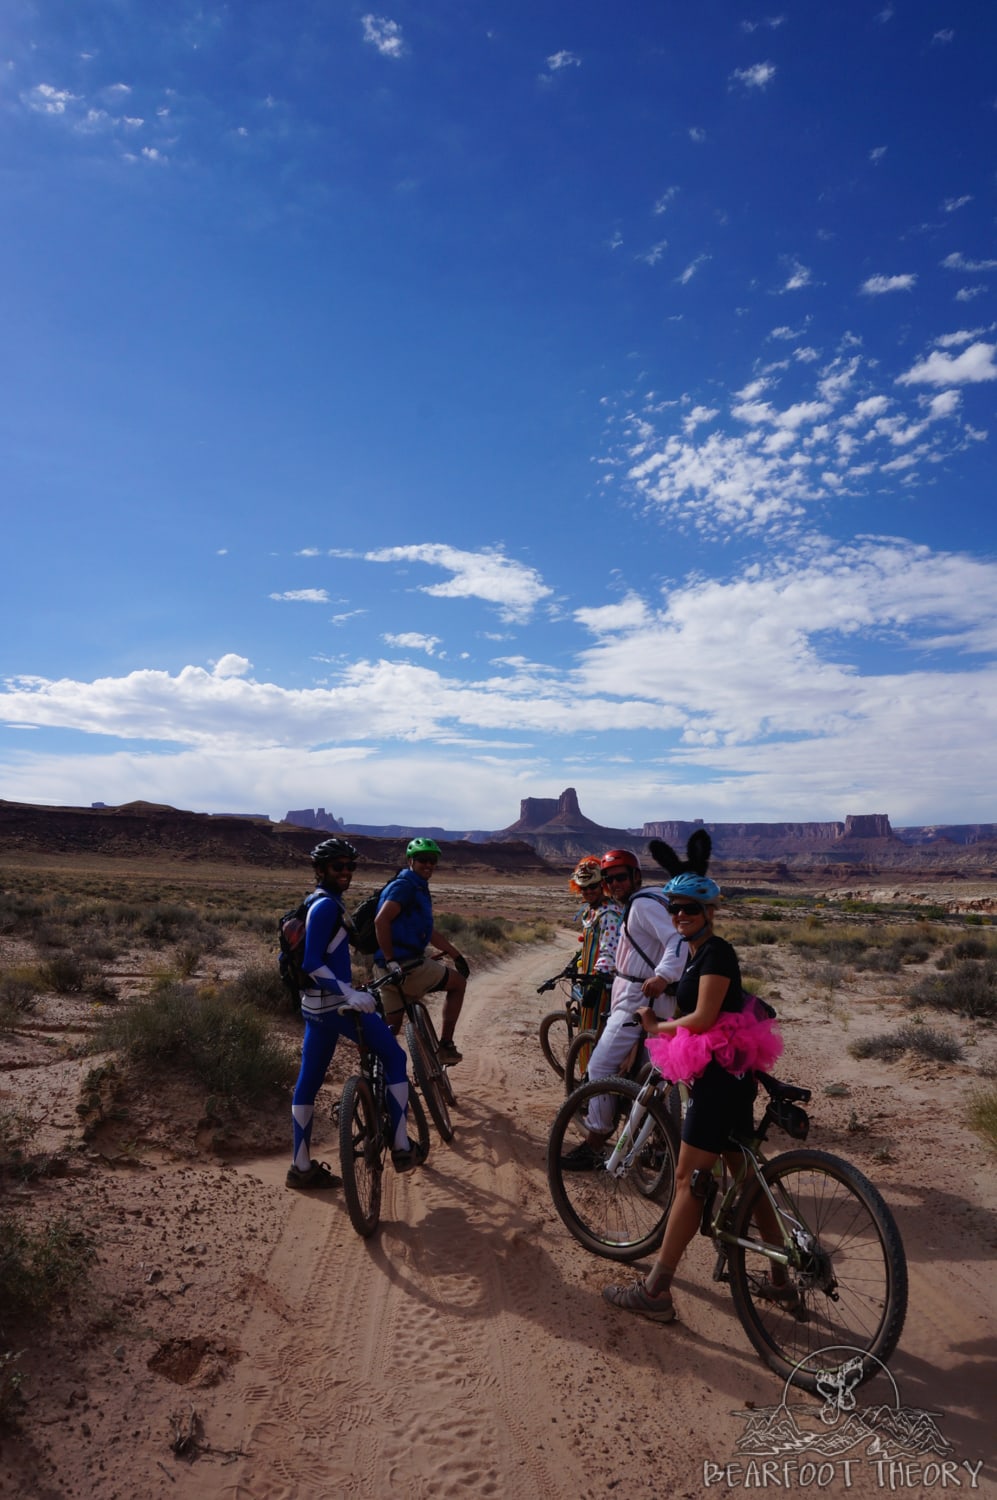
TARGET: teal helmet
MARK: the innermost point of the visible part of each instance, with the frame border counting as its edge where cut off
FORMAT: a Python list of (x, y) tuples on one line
[(422, 846), (694, 888)]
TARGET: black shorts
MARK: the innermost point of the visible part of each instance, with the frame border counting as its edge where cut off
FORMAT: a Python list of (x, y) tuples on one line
[(719, 1105)]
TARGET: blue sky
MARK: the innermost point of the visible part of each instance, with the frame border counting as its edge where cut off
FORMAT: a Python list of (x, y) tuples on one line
[(412, 410)]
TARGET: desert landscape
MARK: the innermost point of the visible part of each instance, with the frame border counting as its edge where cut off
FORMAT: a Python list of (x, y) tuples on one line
[(221, 1336)]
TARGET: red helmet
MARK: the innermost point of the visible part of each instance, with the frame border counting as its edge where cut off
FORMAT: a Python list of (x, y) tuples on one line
[(617, 857)]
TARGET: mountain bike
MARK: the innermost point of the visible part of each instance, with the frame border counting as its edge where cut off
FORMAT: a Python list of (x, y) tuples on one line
[(366, 1134), (559, 1028), (808, 1212)]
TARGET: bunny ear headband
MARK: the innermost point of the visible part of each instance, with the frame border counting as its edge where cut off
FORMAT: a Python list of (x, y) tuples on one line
[(697, 850)]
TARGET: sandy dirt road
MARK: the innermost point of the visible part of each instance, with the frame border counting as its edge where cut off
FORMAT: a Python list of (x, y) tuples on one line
[(465, 1350)]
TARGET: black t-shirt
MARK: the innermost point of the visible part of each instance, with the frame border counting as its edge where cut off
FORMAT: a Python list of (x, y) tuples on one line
[(714, 957)]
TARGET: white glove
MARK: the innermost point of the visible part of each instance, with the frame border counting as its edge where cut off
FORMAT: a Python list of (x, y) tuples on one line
[(358, 999)]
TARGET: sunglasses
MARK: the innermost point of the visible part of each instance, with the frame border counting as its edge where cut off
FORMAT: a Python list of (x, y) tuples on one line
[(342, 867), (684, 909), (617, 877), (424, 859)]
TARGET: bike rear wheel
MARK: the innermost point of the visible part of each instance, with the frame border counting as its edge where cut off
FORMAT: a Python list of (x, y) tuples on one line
[(619, 1217), (851, 1281), (556, 1033), (361, 1155), (426, 1071), (431, 1042)]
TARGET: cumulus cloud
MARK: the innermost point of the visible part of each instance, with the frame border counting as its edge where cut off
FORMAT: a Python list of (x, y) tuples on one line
[(799, 277), (46, 99), (762, 462), (753, 681), (383, 34), (514, 588), (959, 262), (303, 596), (875, 286), (563, 59), (977, 363), (759, 76), (413, 640)]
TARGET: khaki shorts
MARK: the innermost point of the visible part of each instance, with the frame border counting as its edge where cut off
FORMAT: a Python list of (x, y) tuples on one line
[(421, 980)]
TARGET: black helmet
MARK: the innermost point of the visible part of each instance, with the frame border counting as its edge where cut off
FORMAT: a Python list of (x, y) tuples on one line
[(333, 849)]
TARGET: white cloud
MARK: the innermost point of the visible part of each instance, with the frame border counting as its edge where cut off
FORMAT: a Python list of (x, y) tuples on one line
[(513, 587), (945, 35), (969, 293), (231, 665), (877, 153), (951, 205), (977, 363), (563, 59), (684, 277), (383, 34), (958, 262), (875, 286), (665, 201), (45, 99), (757, 77), (754, 682), (652, 256), (413, 640), (303, 596), (799, 277), (697, 134)]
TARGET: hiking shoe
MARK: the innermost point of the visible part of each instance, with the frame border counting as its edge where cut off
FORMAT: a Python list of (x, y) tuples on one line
[(637, 1299), (316, 1175), (404, 1161), (582, 1158), (449, 1055)]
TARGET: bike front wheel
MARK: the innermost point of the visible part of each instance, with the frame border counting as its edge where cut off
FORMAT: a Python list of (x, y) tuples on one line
[(361, 1155), (618, 1214), (848, 1275), (556, 1033), (576, 1062), (426, 1071)]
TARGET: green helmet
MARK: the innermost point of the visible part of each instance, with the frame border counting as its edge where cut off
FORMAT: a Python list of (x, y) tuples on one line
[(423, 846)]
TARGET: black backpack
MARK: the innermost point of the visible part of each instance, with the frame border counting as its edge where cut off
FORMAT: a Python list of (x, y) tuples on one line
[(360, 926)]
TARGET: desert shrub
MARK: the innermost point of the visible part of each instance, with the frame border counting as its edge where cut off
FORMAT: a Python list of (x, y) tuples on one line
[(222, 1043), (450, 921), (923, 1041), (169, 922), (969, 989), (261, 986), (970, 947), (882, 960), (38, 1267), (19, 989), (16, 1130), (983, 1114), (18, 913), (489, 929), (67, 973)]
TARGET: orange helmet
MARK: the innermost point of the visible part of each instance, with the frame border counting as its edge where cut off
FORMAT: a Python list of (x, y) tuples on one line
[(619, 857)]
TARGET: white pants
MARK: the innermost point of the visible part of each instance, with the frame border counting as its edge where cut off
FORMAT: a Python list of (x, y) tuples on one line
[(622, 1031)]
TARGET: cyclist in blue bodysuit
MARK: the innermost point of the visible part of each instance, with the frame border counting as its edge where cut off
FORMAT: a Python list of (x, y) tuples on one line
[(329, 1004)]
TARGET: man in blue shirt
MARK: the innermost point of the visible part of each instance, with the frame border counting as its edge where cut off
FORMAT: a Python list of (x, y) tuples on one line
[(404, 927), (329, 1004)]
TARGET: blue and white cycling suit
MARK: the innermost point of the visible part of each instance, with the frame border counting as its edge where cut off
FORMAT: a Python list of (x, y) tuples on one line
[(323, 1004)]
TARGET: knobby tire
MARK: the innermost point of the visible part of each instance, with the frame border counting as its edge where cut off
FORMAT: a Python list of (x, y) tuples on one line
[(556, 1033), (431, 1043), (361, 1155), (620, 1218), (856, 1252), (427, 1078)]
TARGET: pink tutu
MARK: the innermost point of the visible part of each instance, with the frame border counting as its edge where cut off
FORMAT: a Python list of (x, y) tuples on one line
[(745, 1041)]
